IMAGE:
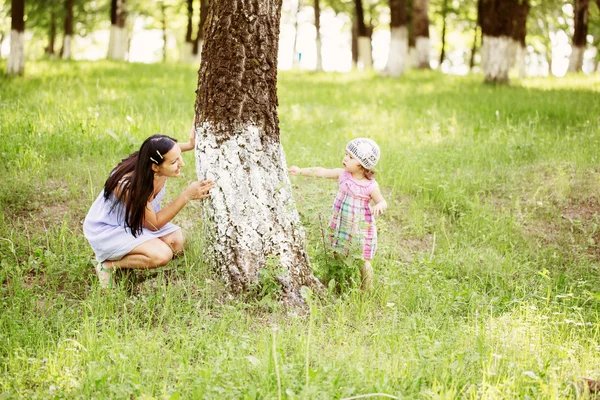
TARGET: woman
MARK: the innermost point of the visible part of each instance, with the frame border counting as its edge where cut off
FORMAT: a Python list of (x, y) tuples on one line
[(126, 226)]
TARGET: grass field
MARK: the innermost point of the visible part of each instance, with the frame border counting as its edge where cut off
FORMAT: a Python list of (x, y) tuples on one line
[(487, 276)]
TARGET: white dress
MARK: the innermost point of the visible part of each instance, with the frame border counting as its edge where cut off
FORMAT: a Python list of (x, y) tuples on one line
[(104, 228)]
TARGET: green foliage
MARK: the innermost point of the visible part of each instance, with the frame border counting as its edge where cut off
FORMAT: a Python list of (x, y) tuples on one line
[(486, 277)]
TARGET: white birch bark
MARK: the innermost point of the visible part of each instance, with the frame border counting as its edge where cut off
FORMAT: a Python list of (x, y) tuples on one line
[(495, 58), (16, 57), (319, 57), (251, 205), (398, 55), (117, 45), (576, 58), (365, 58), (67, 47), (422, 48)]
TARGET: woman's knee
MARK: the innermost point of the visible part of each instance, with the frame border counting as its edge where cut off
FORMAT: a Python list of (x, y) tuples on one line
[(175, 241)]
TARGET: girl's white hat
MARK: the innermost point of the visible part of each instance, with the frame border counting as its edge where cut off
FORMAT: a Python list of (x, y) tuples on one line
[(365, 151)]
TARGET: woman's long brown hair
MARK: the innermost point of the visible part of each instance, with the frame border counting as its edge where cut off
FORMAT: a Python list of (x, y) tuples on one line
[(135, 178)]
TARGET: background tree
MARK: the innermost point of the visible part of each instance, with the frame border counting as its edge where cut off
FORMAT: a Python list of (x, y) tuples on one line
[(398, 54), (519, 32), (16, 58), (580, 20), (496, 18), (252, 212), (201, 23), (421, 32), (118, 42), (363, 37), (68, 38), (188, 47), (319, 45)]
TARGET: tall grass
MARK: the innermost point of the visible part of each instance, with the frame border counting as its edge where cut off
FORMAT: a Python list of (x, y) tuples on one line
[(486, 279)]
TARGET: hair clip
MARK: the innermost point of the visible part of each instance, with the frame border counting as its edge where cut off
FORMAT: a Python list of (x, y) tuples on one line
[(153, 160), (161, 157)]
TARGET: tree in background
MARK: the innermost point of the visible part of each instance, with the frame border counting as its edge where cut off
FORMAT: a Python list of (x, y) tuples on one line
[(68, 38), (580, 18), (253, 218), (118, 42), (421, 32), (16, 58), (398, 53), (317, 13), (519, 33), (363, 37), (188, 47), (496, 18)]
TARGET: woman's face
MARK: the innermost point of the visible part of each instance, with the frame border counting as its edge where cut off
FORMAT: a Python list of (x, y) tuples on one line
[(172, 163)]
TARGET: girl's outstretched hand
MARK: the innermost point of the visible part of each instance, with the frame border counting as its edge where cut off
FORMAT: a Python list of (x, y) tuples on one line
[(294, 170), (379, 208), (199, 190)]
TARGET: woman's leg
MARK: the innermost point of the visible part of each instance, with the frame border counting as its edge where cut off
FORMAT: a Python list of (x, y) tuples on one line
[(151, 254), (175, 241), (366, 273)]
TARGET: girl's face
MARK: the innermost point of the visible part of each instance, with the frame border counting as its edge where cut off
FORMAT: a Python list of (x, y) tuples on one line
[(171, 166), (351, 164)]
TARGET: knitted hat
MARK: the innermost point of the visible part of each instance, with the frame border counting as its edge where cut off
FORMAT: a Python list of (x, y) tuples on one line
[(365, 151)]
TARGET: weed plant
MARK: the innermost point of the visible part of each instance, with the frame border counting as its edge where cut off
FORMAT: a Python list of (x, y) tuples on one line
[(486, 278)]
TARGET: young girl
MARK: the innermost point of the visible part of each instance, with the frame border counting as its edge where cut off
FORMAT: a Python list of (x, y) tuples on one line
[(126, 226), (352, 216)]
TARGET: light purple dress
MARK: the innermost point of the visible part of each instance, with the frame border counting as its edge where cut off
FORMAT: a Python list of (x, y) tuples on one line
[(106, 232)]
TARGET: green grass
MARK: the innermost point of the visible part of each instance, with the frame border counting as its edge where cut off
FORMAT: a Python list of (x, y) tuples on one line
[(487, 278)]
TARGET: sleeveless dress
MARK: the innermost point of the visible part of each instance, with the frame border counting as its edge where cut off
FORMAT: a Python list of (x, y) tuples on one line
[(352, 218), (104, 228)]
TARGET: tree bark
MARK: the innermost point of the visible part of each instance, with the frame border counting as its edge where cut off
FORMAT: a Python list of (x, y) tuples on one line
[(253, 220), (16, 58), (66, 48), (117, 45), (421, 27), (444, 14), (200, 36), (365, 56), (581, 11), (49, 50), (497, 18), (317, 8), (519, 34), (398, 53)]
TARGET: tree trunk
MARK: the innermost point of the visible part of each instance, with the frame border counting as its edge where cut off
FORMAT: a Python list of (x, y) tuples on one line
[(519, 34), (187, 55), (421, 27), (163, 15), (49, 50), (581, 10), (444, 14), (117, 45), (1, 41), (317, 9), (295, 55), (16, 58), (198, 43), (365, 57), (253, 220), (66, 49), (474, 48), (398, 53), (496, 18)]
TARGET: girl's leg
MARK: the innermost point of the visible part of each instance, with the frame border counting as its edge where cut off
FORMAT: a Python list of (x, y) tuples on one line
[(175, 241), (366, 273), (152, 254)]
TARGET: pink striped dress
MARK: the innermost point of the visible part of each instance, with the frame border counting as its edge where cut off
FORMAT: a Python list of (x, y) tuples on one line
[(352, 218)]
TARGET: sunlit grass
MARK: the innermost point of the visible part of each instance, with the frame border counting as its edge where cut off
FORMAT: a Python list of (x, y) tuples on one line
[(486, 280)]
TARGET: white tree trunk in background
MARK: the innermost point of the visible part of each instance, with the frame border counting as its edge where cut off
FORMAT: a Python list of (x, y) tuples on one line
[(495, 58), (521, 53), (576, 58), (422, 51), (117, 45), (364, 53), (67, 47), (249, 203), (187, 53), (16, 58), (319, 57), (398, 55)]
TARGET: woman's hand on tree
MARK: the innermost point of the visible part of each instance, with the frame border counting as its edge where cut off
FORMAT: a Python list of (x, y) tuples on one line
[(199, 190)]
